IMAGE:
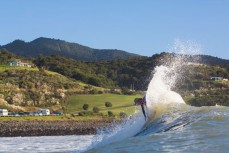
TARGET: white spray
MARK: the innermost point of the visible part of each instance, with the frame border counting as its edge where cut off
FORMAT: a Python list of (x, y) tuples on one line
[(159, 95)]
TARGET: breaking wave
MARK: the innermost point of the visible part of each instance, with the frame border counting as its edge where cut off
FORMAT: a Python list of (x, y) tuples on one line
[(166, 109)]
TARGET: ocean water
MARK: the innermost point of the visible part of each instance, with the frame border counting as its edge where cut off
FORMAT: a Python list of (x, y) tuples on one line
[(171, 126), (204, 129), (199, 130), (44, 144)]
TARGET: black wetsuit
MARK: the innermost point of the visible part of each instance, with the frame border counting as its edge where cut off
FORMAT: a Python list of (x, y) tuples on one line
[(143, 102)]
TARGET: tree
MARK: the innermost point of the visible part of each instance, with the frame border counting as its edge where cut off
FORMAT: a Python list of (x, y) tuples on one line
[(110, 114), (122, 115), (94, 81), (108, 104), (40, 61), (95, 109), (79, 76), (85, 106)]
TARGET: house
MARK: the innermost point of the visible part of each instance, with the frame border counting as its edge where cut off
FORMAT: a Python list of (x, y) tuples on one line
[(44, 111), (3, 112), (19, 63), (216, 78)]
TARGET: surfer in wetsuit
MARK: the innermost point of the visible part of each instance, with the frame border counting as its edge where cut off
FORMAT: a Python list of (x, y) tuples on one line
[(143, 103)]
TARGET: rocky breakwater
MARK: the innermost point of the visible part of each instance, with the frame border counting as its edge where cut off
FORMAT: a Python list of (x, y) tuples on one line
[(51, 128)]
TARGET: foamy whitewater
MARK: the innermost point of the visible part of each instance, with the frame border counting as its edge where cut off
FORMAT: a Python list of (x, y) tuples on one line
[(172, 126)]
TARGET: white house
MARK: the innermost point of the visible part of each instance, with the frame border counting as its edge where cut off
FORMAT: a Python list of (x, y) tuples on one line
[(44, 111), (216, 78), (3, 112), (19, 63)]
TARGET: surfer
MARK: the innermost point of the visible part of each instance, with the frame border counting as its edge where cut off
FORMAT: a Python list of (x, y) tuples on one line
[(143, 105)]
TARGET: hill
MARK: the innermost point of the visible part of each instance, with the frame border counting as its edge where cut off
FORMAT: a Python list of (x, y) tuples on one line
[(125, 73), (122, 73), (196, 79), (47, 46)]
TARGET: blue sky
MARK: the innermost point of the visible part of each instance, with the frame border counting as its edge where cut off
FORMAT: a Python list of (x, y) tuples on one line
[(144, 27)]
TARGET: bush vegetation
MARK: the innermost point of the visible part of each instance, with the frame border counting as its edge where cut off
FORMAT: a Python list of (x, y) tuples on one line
[(122, 115), (110, 114), (108, 104), (95, 109), (85, 106)]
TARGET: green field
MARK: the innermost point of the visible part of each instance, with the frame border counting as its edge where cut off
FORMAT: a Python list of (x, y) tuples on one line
[(6, 67), (120, 103)]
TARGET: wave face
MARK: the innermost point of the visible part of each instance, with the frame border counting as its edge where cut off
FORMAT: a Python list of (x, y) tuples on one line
[(209, 132)]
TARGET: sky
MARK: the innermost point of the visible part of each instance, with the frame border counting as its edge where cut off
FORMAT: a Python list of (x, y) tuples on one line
[(143, 27)]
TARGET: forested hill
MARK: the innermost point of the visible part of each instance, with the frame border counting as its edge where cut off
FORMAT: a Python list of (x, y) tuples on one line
[(47, 46), (123, 72), (206, 59), (197, 72)]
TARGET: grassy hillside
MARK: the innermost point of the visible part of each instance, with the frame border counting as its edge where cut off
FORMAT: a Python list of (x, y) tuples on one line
[(22, 87)]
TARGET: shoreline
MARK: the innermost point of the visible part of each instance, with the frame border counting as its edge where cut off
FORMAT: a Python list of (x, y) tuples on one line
[(52, 128)]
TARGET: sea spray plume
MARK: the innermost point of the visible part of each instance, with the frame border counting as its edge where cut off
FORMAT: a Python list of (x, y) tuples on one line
[(165, 77), (159, 94), (186, 48)]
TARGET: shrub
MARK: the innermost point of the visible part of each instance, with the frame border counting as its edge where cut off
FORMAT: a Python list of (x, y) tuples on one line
[(110, 114), (88, 113), (108, 104), (85, 113), (95, 109), (93, 91), (114, 91), (126, 91), (100, 92), (81, 114), (122, 115), (85, 106), (94, 81), (100, 114)]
